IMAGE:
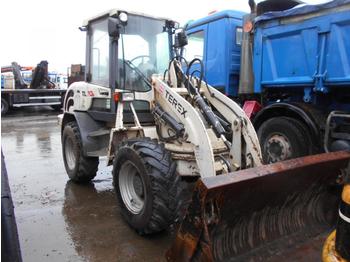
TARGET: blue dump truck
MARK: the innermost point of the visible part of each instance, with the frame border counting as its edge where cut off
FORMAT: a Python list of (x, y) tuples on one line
[(289, 67)]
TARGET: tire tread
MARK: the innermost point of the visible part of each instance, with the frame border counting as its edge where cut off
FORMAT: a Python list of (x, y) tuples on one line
[(164, 183), (304, 143), (87, 166)]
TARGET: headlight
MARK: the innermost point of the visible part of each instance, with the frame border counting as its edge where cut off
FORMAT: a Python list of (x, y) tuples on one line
[(123, 17)]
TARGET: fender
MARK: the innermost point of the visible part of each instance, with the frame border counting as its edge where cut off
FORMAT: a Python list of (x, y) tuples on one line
[(87, 125), (299, 112)]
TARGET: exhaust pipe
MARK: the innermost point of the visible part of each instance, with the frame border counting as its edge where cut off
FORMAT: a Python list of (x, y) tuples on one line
[(246, 76)]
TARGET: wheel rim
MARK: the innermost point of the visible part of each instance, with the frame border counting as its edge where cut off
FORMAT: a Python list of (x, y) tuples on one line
[(278, 148), (69, 153), (132, 188)]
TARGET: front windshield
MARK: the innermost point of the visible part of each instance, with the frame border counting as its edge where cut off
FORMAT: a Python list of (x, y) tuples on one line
[(143, 51)]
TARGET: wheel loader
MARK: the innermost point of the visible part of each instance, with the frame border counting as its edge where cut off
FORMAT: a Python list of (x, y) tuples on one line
[(184, 155)]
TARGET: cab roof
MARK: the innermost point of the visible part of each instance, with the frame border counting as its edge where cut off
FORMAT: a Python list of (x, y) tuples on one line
[(114, 13), (216, 16)]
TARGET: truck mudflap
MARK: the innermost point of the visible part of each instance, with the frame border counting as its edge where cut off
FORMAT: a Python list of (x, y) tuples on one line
[(259, 214)]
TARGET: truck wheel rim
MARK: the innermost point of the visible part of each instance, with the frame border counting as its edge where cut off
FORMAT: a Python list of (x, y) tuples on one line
[(69, 153), (132, 188), (278, 148)]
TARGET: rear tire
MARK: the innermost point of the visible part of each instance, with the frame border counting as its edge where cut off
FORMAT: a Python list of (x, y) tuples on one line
[(146, 185), (80, 169), (283, 138), (4, 106)]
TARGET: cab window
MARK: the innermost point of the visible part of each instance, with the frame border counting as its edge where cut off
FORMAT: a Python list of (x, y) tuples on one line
[(99, 53), (195, 46)]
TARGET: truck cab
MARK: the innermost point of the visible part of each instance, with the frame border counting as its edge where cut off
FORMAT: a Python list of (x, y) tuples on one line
[(216, 40)]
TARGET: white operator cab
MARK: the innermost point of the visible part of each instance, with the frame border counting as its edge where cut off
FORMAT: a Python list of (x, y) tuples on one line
[(123, 50)]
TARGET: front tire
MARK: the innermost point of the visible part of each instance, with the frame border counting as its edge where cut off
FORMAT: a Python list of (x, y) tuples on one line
[(283, 138), (4, 106), (80, 169), (146, 185)]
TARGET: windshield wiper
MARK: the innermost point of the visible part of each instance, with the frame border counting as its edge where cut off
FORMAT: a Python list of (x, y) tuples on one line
[(138, 71)]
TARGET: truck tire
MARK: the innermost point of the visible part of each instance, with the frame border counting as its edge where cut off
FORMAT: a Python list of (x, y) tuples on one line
[(80, 169), (146, 185), (4, 106), (283, 138), (57, 108)]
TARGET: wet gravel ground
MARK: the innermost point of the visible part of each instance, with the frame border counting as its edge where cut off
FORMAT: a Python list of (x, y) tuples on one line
[(58, 220), (61, 221)]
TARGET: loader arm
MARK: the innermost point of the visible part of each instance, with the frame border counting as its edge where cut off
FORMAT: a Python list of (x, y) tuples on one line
[(178, 101), (173, 103), (245, 140)]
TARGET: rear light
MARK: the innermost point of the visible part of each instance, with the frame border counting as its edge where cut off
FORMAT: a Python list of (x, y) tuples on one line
[(117, 97), (248, 26), (251, 108)]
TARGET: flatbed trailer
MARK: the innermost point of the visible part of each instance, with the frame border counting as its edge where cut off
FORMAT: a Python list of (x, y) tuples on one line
[(31, 97), (16, 92)]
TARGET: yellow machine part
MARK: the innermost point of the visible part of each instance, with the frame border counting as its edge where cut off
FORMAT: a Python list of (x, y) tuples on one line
[(329, 254)]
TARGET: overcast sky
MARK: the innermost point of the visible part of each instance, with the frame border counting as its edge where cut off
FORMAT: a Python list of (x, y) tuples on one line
[(35, 30)]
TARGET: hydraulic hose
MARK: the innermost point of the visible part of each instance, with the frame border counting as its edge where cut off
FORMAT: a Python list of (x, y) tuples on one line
[(177, 127), (206, 111)]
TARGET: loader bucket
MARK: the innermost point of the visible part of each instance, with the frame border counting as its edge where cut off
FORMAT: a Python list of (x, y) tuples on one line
[(278, 211)]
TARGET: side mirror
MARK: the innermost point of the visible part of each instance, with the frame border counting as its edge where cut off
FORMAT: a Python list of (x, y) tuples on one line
[(181, 39), (113, 26)]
